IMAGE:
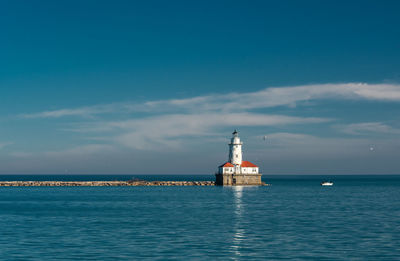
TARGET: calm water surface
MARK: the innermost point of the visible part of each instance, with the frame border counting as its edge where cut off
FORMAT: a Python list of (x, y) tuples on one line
[(295, 218)]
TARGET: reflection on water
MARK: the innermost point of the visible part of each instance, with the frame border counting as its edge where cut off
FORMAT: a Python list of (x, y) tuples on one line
[(356, 219), (239, 233), (240, 230), (238, 193)]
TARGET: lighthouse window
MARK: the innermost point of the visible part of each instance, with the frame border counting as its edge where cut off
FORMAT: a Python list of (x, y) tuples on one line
[(237, 156)]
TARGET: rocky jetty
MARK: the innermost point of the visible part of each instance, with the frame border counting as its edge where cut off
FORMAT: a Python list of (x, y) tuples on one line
[(103, 183)]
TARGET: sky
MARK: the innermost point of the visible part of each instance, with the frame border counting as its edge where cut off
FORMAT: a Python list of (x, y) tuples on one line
[(157, 87)]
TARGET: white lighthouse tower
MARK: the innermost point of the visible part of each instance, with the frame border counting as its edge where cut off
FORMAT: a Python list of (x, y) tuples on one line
[(236, 171), (235, 149)]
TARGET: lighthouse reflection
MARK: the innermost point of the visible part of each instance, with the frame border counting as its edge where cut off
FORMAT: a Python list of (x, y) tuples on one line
[(241, 234), (238, 232)]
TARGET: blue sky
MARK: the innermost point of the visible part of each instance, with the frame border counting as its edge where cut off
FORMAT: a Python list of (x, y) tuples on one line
[(157, 87)]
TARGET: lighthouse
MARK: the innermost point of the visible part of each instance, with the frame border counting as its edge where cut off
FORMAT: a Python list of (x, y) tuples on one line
[(236, 171), (235, 149)]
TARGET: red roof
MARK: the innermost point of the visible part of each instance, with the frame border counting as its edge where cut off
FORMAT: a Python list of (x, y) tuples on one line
[(248, 164), (226, 164), (244, 164)]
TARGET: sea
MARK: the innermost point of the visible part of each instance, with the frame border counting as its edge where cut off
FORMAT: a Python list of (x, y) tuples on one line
[(295, 218)]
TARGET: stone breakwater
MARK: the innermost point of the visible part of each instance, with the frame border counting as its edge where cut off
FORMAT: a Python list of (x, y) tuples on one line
[(102, 183)]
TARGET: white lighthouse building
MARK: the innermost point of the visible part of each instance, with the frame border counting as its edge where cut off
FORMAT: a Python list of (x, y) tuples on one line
[(236, 171)]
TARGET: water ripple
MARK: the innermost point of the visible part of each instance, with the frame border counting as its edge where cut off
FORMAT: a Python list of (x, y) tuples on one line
[(285, 221)]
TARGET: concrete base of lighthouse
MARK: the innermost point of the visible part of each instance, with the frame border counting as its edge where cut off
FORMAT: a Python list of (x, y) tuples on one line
[(238, 179)]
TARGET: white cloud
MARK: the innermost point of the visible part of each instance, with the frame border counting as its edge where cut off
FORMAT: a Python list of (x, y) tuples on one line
[(87, 111), (170, 130), (167, 123), (238, 102), (284, 96), (368, 128), (84, 112), (133, 133)]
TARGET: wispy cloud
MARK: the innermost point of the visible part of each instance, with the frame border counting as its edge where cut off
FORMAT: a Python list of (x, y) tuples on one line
[(79, 151), (238, 102), (368, 128), (129, 134), (170, 129), (286, 96), (298, 145), (82, 112), (89, 158), (166, 123), (4, 144), (288, 153)]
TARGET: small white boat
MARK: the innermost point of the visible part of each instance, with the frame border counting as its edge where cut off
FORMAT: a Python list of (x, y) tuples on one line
[(327, 183)]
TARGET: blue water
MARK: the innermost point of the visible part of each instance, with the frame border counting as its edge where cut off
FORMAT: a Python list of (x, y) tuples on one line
[(295, 218)]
